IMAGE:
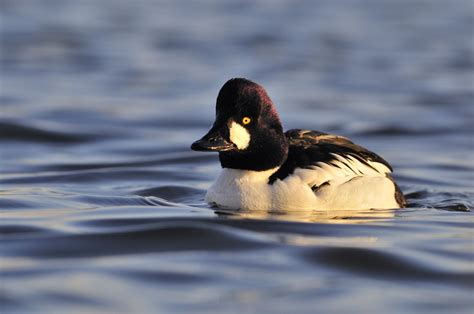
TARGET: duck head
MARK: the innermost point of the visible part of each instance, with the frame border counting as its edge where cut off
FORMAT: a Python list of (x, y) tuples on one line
[(247, 131)]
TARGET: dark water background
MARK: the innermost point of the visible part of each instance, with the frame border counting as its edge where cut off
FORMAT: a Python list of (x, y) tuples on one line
[(102, 200)]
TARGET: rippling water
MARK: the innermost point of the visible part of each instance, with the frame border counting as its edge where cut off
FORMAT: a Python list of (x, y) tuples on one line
[(102, 200)]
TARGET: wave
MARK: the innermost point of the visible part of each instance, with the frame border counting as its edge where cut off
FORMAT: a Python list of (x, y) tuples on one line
[(15, 131), (174, 158), (99, 175), (449, 201), (179, 194), (147, 238), (406, 131), (380, 264)]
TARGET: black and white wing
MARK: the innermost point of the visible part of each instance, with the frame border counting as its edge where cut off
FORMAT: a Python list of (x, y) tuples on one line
[(321, 159), (330, 156)]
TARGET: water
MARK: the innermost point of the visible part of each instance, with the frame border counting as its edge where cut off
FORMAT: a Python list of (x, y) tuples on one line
[(102, 200)]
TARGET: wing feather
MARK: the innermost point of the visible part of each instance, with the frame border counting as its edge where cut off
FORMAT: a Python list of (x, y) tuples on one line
[(323, 157)]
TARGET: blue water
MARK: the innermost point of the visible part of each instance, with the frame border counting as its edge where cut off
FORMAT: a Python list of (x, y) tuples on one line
[(101, 198)]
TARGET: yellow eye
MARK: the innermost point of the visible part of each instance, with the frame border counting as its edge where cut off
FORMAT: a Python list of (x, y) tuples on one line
[(246, 120)]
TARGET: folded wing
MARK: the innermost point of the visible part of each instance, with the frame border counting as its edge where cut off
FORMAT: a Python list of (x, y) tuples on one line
[(328, 157)]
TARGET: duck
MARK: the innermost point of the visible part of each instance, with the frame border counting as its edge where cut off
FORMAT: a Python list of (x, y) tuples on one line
[(267, 169)]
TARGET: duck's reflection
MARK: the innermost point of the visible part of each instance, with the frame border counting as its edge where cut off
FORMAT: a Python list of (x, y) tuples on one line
[(333, 216)]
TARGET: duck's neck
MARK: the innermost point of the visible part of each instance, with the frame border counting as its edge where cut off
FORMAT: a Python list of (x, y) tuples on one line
[(264, 153)]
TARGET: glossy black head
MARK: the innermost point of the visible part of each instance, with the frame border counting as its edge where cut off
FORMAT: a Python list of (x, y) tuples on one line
[(247, 131)]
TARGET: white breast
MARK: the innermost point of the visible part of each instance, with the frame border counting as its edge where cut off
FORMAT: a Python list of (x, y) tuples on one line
[(241, 189)]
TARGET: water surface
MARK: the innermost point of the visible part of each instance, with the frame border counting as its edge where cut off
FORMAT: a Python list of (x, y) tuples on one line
[(102, 200)]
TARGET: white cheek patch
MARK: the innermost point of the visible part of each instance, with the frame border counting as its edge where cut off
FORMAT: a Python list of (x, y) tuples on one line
[(239, 135)]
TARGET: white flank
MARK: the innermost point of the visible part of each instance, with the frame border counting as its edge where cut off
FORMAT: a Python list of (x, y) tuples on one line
[(239, 135), (357, 187)]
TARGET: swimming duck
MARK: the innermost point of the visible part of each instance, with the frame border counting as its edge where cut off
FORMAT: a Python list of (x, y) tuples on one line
[(264, 168)]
